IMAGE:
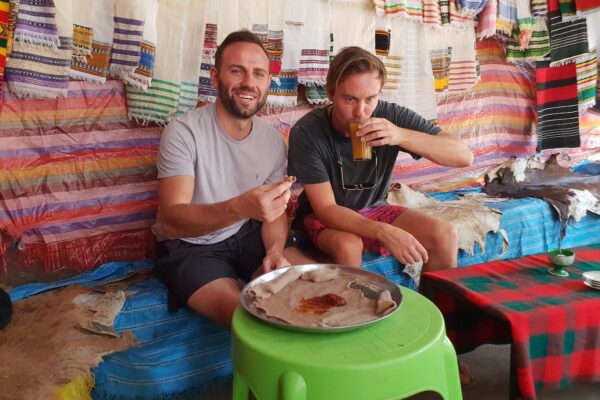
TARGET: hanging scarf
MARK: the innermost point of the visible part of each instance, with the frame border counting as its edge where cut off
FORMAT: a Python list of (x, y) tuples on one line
[(159, 103), (191, 57), (486, 26), (94, 67), (127, 37), (206, 92), (4, 10), (558, 111), (36, 23), (142, 76), (537, 48), (587, 78)]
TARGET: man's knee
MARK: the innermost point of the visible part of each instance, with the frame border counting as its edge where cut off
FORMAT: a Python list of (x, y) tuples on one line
[(348, 249)]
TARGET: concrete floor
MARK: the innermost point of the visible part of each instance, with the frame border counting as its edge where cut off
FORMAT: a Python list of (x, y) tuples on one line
[(490, 365)]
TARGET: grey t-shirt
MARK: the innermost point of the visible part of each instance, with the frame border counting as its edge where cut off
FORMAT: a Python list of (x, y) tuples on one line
[(316, 150), (195, 145)]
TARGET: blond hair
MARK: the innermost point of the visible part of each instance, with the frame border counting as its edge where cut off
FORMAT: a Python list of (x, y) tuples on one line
[(353, 60)]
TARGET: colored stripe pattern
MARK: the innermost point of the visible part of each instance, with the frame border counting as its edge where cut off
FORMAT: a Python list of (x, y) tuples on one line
[(4, 10), (557, 102), (206, 92), (127, 44), (537, 48), (77, 179), (82, 40), (568, 40), (36, 23), (587, 78), (552, 323)]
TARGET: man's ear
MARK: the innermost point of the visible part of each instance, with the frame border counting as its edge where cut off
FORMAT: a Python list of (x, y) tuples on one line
[(330, 95), (214, 77)]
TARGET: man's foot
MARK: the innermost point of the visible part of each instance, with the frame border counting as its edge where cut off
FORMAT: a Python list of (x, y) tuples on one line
[(466, 377)]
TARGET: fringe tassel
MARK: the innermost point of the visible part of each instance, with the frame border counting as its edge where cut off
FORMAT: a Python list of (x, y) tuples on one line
[(35, 39), (79, 388), (84, 254)]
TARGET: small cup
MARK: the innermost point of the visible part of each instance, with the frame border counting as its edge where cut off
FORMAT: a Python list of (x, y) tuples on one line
[(560, 259), (360, 151)]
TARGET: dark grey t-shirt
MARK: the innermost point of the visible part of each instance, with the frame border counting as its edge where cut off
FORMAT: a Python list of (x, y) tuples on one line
[(315, 150)]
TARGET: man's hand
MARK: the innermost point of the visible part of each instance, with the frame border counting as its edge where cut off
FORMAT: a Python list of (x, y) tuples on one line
[(403, 246), (272, 261), (379, 132), (266, 202)]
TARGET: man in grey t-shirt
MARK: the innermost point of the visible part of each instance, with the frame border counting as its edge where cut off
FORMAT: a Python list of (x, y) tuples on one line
[(222, 196), (343, 207)]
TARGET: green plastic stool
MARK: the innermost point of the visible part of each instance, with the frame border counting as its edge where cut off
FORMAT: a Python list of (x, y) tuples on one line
[(404, 354)]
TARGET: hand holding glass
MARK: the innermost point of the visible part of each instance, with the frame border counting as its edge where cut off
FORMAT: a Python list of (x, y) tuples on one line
[(360, 151)]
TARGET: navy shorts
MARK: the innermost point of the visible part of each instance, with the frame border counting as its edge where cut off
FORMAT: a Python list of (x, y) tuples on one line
[(185, 267)]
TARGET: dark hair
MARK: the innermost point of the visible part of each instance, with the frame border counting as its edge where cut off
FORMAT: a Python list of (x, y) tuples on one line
[(353, 60), (242, 35)]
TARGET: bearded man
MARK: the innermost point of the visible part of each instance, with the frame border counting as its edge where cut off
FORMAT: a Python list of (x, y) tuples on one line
[(222, 197)]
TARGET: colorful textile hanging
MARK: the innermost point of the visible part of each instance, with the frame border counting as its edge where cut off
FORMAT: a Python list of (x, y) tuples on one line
[(359, 34), (557, 103), (314, 51), (35, 70), (408, 43), (191, 54), (36, 23), (587, 78), (539, 8), (82, 40), (94, 67), (206, 92), (568, 40), (440, 64), (411, 9), (142, 76), (13, 11), (470, 8), (507, 16), (486, 25), (432, 14), (127, 37), (159, 103), (538, 47), (4, 8)]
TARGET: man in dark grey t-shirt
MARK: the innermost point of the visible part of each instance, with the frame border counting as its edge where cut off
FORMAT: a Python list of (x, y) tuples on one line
[(343, 208), (222, 198)]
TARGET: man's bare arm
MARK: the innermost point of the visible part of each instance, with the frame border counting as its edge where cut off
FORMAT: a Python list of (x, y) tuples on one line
[(180, 218), (444, 148)]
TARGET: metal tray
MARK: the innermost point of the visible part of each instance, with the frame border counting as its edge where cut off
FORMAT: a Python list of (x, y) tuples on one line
[(378, 281)]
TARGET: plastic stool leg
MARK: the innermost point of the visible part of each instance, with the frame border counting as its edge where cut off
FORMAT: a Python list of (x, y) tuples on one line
[(453, 388), (292, 386), (240, 388)]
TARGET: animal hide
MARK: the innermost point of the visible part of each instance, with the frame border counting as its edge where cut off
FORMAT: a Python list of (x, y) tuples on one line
[(470, 216), (571, 195), (43, 348)]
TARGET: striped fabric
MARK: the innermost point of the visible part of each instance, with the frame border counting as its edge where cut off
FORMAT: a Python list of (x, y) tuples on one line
[(507, 16), (411, 9), (82, 40), (537, 48), (470, 8), (13, 11), (440, 64), (393, 64), (539, 8), (127, 38), (486, 24), (193, 42), (567, 8), (36, 23), (568, 40), (314, 45), (4, 10), (432, 14), (206, 92), (38, 71), (316, 94), (77, 179), (558, 112), (587, 78), (141, 77), (160, 102)]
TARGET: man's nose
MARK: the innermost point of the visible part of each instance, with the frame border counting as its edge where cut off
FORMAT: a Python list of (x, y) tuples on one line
[(360, 111)]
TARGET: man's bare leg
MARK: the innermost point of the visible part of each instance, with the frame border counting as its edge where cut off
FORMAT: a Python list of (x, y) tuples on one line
[(344, 248), (439, 238), (217, 300)]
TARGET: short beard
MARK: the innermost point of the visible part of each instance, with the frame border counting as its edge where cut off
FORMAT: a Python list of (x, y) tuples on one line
[(232, 107)]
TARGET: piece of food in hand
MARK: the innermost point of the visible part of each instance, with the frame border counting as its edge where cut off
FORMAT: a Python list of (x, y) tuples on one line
[(289, 178)]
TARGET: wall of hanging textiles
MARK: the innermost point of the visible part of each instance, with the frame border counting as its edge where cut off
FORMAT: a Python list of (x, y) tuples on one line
[(86, 91)]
